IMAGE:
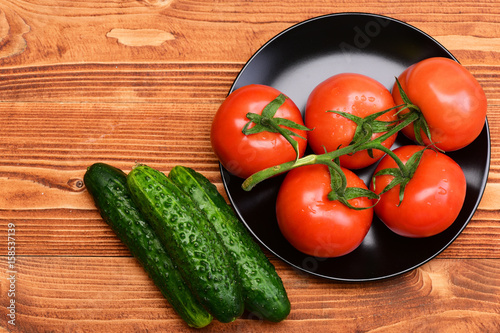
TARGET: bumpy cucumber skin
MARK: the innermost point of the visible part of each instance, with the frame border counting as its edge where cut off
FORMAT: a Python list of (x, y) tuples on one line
[(263, 289), (190, 240), (107, 185)]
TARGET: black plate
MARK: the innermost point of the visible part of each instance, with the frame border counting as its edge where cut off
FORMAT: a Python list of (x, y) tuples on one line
[(294, 62)]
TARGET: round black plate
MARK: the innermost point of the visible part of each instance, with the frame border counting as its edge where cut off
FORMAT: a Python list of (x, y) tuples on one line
[(294, 62)]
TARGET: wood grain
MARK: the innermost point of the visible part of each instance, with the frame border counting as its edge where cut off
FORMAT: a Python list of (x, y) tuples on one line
[(126, 81), (228, 31), (113, 294)]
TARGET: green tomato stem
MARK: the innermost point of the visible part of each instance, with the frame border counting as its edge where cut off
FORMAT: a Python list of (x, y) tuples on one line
[(327, 158)]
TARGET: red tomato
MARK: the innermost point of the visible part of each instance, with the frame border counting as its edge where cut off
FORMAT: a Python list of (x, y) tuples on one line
[(311, 222), (357, 94), (241, 154), (432, 200), (450, 99)]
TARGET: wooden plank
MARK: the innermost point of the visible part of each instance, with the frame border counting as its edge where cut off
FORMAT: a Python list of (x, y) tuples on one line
[(68, 32), (119, 83), (75, 134), (73, 232), (150, 83), (114, 294)]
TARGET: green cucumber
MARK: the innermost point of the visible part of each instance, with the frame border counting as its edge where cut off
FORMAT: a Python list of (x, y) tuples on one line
[(191, 241), (263, 289), (108, 187)]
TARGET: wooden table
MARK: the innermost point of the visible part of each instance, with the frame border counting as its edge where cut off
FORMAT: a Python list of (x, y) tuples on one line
[(139, 81)]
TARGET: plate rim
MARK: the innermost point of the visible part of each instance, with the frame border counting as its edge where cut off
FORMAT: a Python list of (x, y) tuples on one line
[(324, 16)]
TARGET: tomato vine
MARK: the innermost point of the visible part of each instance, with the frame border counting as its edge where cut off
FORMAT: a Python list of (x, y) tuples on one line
[(362, 140)]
